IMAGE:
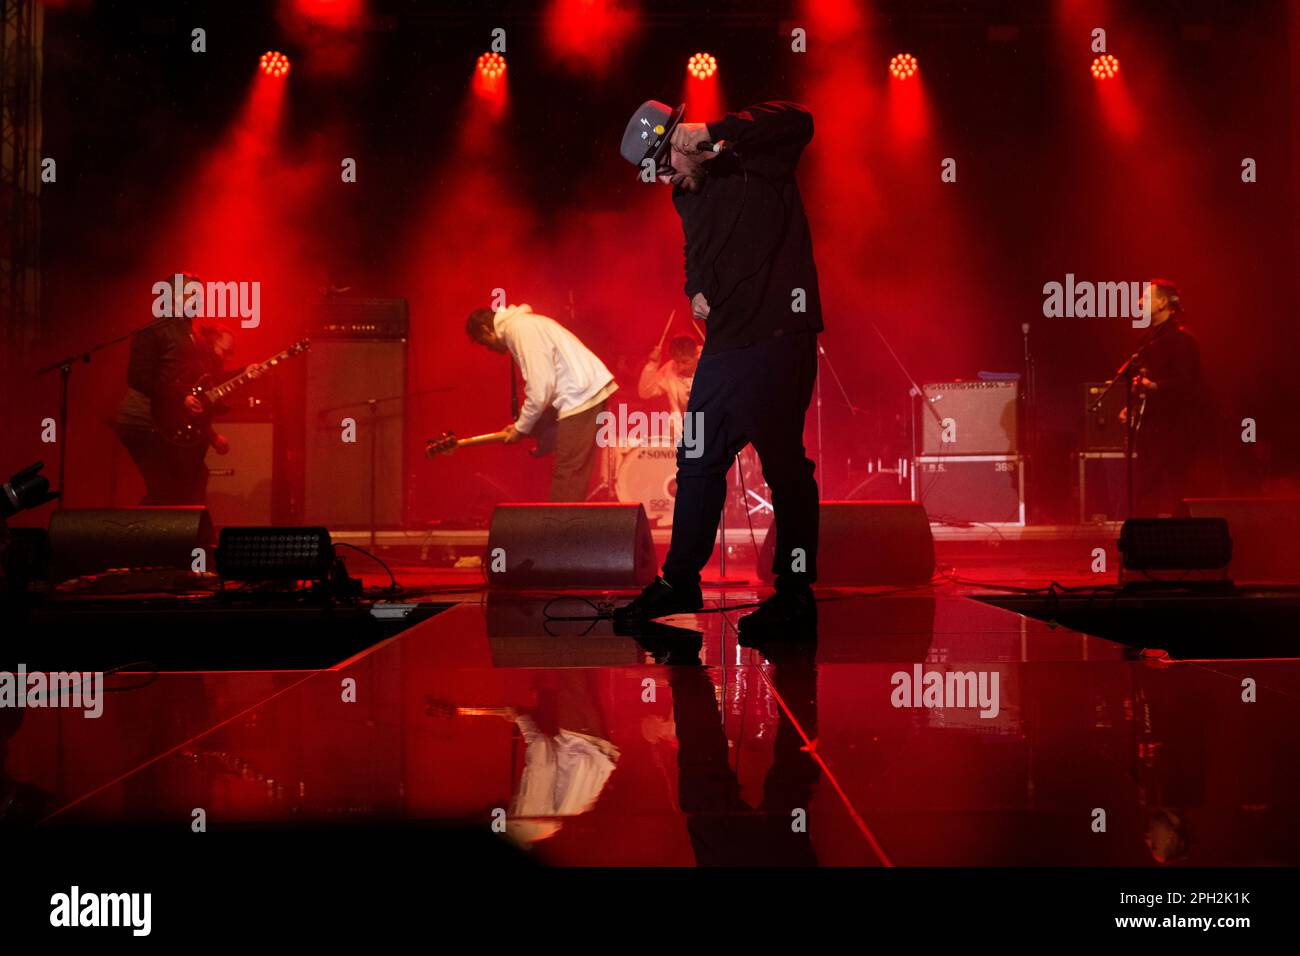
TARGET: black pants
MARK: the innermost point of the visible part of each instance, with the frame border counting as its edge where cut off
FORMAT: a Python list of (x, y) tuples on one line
[(172, 475), (757, 395), (575, 454), (1165, 452)]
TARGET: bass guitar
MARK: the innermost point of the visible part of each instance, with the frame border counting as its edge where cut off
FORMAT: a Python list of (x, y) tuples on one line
[(543, 434)]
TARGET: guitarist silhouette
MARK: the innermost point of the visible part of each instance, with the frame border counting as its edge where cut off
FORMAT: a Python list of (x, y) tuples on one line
[(168, 354)]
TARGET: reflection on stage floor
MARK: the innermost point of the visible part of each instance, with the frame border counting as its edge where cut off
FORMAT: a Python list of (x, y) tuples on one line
[(916, 727)]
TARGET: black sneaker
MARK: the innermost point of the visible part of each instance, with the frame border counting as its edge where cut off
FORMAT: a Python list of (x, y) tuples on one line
[(784, 614), (660, 599)]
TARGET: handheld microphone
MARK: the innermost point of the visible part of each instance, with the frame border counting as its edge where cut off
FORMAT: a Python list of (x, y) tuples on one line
[(720, 146)]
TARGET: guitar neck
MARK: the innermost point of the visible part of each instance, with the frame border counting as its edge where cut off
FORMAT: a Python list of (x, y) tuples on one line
[(485, 439), (228, 387)]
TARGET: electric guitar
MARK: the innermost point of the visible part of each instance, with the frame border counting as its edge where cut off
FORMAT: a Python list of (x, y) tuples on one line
[(1140, 394), (180, 426), (543, 434)]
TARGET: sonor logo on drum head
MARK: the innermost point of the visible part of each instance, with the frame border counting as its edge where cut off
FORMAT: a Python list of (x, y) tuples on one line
[(648, 475)]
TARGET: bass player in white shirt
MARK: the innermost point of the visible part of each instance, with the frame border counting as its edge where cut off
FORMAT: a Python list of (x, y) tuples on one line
[(559, 372)]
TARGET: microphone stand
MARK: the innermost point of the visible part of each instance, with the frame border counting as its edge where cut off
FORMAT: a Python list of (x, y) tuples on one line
[(64, 367), (853, 409), (1030, 403), (916, 390), (1125, 373), (375, 418)]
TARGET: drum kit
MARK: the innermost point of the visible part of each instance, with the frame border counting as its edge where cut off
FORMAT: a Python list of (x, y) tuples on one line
[(646, 473)]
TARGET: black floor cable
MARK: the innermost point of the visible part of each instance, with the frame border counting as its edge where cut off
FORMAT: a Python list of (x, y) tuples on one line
[(393, 586)]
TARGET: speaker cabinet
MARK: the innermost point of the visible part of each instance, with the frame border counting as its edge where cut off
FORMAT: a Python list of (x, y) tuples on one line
[(240, 482), (974, 418), (1102, 429), (570, 545), (92, 540), (1102, 485), (362, 383), (867, 543), (984, 489)]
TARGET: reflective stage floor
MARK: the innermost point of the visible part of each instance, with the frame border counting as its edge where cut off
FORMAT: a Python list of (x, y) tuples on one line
[(676, 746)]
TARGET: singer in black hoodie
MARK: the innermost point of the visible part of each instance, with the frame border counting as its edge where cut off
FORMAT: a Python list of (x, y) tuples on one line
[(752, 280)]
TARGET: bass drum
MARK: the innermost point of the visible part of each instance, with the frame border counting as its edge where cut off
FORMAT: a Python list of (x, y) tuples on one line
[(648, 475)]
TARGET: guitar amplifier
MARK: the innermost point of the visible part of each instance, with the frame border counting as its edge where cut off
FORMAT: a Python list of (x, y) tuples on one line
[(978, 418), (240, 482), (1102, 429), (981, 489), (354, 443), (342, 318)]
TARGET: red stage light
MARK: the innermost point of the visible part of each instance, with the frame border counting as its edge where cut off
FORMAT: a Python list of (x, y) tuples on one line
[(491, 65), (331, 13), (1105, 67), (903, 66), (589, 36), (274, 63), (701, 66)]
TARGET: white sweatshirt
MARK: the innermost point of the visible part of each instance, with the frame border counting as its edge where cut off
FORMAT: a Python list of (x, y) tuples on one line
[(559, 371)]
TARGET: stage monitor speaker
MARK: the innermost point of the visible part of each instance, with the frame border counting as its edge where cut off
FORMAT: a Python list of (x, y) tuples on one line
[(1264, 535), (978, 418), (92, 540), (865, 543), (1174, 551), (570, 545), (240, 481), (362, 382)]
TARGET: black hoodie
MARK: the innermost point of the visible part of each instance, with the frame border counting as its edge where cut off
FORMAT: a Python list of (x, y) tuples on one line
[(748, 246)]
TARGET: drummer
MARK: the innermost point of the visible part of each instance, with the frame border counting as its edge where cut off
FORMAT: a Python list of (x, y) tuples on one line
[(671, 379)]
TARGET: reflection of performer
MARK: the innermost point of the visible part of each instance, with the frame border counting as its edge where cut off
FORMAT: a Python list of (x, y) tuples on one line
[(568, 758), (751, 277), (559, 372), (672, 379), (1169, 391), (725, 830), (564, 774), (168, 353)]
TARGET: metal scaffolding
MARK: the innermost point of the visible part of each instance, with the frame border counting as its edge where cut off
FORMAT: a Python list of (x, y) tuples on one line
[(20, 181)]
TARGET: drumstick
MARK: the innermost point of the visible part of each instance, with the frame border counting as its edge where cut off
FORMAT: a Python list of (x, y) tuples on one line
[(697, 327), (666, 328)]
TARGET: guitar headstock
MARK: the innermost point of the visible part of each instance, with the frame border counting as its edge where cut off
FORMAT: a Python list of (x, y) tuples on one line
[(444, 444), (295, 349)]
